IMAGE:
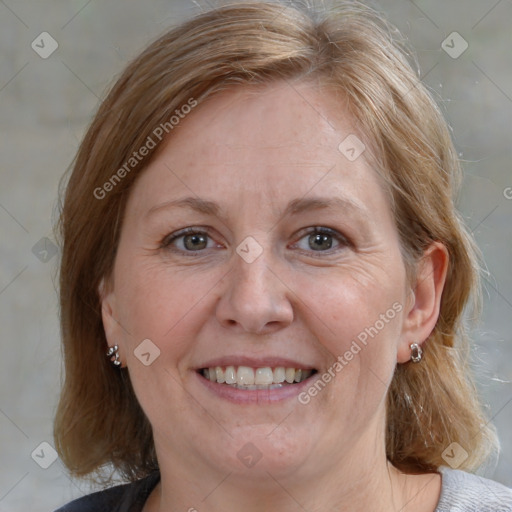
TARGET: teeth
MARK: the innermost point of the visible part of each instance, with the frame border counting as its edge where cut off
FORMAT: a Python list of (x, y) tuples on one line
[(245, 376), (220, 375), (279, 374), (255, 378), (230, 375), (264, 376)]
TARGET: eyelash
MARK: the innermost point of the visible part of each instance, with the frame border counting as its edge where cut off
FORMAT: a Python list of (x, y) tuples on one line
[(342, 240), (166, 243)]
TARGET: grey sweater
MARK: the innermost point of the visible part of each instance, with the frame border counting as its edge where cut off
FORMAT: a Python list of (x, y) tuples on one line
[(460, 492), (465, 492)]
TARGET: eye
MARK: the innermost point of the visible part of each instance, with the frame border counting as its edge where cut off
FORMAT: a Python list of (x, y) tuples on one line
[(322, 239), (189, 240)]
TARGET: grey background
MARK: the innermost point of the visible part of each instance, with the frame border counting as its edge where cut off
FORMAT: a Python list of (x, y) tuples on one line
[(45, 105)]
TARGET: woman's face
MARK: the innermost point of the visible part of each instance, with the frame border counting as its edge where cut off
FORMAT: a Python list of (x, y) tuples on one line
[(256, 245)]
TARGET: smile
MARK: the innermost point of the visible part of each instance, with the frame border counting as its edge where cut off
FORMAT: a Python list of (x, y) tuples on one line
[(247, 378)]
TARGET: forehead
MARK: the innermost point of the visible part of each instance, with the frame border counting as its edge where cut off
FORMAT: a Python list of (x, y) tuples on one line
[(274, 143), (277, 120)]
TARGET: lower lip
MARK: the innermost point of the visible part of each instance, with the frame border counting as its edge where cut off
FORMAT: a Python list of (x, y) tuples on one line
[(254, 396)]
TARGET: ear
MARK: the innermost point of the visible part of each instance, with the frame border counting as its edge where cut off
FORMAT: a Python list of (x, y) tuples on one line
[(422, 310), (111, 325)]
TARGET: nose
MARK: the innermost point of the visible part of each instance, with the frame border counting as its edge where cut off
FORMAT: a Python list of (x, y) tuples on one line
[(255, 298)]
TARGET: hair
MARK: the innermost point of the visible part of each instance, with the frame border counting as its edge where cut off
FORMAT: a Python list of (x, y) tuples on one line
[(353, 52)]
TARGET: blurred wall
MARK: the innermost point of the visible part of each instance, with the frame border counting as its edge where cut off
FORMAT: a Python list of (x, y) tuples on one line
[(46, 102)]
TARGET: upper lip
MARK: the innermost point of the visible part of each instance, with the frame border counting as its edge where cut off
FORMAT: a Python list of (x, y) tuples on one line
[(252, 362)]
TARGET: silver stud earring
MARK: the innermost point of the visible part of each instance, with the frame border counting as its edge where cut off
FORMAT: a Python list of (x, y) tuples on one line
[(416, 352), (113, 354)]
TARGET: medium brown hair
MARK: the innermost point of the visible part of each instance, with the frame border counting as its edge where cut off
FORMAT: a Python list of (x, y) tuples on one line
[(350, 50)]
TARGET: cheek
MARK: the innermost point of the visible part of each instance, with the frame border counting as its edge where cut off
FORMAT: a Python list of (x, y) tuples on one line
[(163, 305), (169, 308), (358, 324), (345, 308)]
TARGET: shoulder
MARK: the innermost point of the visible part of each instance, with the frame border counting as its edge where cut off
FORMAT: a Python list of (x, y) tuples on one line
[(121, 498), (465, 492)]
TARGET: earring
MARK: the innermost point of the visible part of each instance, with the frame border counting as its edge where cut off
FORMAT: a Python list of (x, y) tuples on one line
[(416, 352), (113, 354)]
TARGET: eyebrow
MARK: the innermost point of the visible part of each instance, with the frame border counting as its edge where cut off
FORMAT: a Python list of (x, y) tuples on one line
[(193, 203), (319, 203), (294, 207)]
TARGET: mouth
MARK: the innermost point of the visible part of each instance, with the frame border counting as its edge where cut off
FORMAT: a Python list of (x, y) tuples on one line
[(249, 379)]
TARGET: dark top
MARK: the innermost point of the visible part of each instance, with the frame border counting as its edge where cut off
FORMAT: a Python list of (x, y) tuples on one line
[(460, 492), (121, 498)]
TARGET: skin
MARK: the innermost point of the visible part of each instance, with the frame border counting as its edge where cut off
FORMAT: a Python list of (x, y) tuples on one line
[(252, 152)]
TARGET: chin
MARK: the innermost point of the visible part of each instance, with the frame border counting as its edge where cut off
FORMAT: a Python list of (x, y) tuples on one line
[(265, 449)]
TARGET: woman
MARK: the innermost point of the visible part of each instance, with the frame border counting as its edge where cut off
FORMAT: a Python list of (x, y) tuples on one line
[(263, 278)]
